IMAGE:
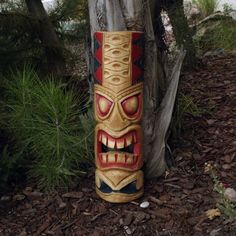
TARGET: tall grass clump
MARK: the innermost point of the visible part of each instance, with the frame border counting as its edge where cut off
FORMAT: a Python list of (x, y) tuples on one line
[(206, 7), (219, 35), (184, 106), (45, 122)]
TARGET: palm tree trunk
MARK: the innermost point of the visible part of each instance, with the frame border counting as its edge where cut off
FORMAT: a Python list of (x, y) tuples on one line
[(136, 15)]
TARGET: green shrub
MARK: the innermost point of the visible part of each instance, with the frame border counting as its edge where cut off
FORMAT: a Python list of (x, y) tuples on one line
[(11, 167), (46, 123), (20, 42), (206, 7), (215, 35), (227, 8)]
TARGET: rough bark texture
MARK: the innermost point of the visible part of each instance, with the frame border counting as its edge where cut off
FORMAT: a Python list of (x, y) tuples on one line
[(181, 30), (117, 15), (48, 37)]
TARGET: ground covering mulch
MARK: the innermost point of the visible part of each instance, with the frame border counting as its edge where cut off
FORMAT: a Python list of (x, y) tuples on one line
[(178, 200)]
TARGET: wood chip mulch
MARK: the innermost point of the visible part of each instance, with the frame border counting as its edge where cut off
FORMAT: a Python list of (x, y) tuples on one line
[(178, 201)]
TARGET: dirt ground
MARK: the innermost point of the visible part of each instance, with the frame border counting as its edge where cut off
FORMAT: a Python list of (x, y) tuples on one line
[(178, 200)]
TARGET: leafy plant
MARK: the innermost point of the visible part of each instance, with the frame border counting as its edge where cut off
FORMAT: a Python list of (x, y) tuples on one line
[(206, 7), (223, 204), (45, 120), (227, 8), (10, 164), (20, 42), (66, 10)]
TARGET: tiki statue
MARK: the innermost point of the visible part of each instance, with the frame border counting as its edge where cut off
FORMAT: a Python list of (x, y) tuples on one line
[(118, 105)]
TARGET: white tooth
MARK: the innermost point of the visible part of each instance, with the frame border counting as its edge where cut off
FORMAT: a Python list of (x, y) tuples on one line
[(128, 140), (104, 158), (111, 143), (134, 138), (104, 139), (118, 158), (120, 144), (121, 158), (129, 160), (111, 158)]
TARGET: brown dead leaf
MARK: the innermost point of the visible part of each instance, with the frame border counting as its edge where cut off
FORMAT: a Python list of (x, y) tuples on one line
[(226, 167), (128, 219), (34, 194), (197, 157), (211, 121), (23, 233), (18, 197), (73, 195), (156, 200), (165, 198), (213, 213), (228, 159)]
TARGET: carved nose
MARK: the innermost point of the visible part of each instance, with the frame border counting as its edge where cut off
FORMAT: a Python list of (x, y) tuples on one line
[(116, 121)]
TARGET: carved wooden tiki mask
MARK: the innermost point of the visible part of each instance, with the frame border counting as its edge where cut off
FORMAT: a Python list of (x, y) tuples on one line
[(118, 105)]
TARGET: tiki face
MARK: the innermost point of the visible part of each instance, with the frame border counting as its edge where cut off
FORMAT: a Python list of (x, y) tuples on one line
[(118, 105), (118, 138)]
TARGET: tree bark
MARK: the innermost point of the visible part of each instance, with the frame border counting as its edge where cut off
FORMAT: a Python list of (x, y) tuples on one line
[(44, 28), (117, 15), (181, 30)]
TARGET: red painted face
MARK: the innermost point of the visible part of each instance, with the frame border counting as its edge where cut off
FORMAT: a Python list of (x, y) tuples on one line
[(118, 137), (118, 100)]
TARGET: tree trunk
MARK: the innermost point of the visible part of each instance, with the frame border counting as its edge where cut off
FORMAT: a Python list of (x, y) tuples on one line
[(48, 37), (118, 15), (181, 30)]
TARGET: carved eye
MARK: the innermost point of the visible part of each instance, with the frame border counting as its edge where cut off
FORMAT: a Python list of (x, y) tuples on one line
[(103, 105), (131, 105)]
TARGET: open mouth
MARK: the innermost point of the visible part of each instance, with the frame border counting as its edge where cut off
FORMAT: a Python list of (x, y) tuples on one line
[(123, 152)]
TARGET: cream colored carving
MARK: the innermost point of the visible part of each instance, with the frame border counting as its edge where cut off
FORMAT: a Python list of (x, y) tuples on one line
[(117, 61)]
